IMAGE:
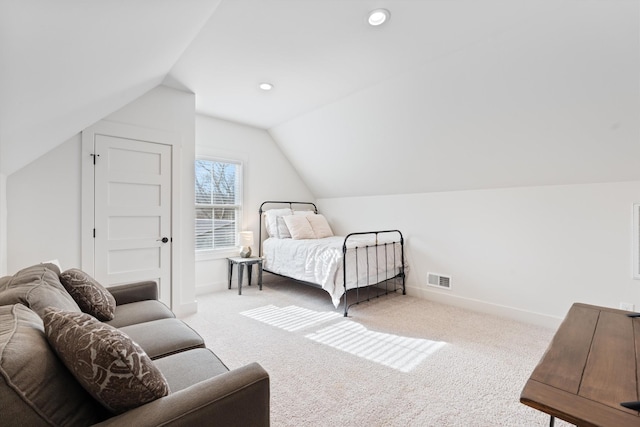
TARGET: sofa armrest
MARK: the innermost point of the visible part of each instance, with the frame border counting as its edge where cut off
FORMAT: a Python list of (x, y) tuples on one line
[(134, 292), (240, 397)]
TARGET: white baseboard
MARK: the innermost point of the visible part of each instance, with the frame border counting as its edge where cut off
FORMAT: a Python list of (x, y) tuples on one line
[(213, 287), (186, 309), (540, 319)]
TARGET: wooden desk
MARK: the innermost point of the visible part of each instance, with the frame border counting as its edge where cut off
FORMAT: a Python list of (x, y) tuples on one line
[(590, 367)]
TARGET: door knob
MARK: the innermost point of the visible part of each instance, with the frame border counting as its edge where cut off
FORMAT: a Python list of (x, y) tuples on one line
[(163, 240)]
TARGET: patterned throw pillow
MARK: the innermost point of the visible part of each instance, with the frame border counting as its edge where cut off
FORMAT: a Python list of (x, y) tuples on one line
[(36, 388), (105, 361), (91, 296)]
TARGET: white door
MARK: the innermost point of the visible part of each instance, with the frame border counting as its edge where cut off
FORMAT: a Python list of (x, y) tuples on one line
[(132, 210)]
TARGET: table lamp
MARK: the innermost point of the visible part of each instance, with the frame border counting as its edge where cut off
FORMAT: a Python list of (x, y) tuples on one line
[(246, 241)]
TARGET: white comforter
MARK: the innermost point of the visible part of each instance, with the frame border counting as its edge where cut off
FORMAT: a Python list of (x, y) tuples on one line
[(319, 261)]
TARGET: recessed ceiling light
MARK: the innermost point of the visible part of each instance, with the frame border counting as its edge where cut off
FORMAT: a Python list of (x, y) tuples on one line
[(265, 86), (378, 17)]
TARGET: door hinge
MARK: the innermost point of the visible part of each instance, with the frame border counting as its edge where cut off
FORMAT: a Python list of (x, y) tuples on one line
[(94, 233), (94, 157)]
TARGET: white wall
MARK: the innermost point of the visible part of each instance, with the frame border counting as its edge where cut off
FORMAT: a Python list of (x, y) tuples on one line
[(43, 209), (3, 224), (527, 252), (44, 197), (268, 175)]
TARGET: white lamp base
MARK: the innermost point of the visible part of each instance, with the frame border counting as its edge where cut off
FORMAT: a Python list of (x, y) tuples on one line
[(245, 251)]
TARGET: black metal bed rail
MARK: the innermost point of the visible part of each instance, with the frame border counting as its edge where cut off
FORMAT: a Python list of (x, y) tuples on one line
[(366, 248), (275, 202)]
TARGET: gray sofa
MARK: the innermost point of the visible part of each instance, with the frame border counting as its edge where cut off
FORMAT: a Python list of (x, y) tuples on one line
[(40, 386)]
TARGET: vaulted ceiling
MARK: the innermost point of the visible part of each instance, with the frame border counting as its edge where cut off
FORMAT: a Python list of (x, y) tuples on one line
[(447, 95)]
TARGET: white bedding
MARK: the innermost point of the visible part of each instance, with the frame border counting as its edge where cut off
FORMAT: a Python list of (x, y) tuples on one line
[(319, 261)]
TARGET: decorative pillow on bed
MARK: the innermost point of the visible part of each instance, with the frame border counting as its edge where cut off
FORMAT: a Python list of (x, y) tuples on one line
[(283, 230), (320, 226), (299, 227), (271, 221)]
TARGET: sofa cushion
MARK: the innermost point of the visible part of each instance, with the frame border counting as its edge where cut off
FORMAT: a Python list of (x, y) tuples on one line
[(106, 362), (35, 387), (37, 287), (187, 368), (139, 312), (52, 265), (91, 296), (162, 337)]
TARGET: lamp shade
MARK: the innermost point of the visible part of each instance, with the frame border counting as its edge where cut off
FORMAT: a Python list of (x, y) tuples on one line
[(246, 238)]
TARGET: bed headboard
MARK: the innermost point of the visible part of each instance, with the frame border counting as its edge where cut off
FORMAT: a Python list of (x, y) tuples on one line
[(275, 202)]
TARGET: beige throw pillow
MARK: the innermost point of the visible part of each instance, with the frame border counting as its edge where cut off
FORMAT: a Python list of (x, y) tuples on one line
[(320, 226), (105, 361), (299, 227), (91, 296), (37, 287)]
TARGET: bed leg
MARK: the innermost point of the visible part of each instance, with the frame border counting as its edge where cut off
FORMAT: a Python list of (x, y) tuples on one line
[(346, 306)]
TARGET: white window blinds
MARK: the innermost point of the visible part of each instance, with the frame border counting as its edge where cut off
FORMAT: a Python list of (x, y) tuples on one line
[(218, 203)]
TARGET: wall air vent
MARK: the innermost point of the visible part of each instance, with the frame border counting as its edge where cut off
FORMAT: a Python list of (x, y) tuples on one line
[(439, 281)]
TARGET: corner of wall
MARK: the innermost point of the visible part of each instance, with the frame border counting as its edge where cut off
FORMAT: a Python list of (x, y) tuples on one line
[(185, 309)]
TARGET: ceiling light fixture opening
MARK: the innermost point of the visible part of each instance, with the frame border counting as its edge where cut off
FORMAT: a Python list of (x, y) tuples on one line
[(378, 17), (265, 86)]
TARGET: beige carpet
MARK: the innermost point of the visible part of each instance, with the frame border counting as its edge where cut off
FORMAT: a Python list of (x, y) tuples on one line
[(396, 361)]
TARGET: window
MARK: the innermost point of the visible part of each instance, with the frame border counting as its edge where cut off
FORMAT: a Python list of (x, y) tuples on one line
[(218, 203)]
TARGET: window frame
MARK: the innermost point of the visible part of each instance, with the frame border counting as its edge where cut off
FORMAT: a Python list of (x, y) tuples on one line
[(218, 253)]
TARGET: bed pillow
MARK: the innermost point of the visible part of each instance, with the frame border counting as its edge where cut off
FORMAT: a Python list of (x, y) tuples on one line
[(283, 230), (299, 227), (106, 362), (320, 226), (91, 296), (271, 221), (305, 213)]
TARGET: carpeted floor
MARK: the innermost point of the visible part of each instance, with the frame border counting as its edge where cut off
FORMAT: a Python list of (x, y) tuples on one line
[(396, 361)]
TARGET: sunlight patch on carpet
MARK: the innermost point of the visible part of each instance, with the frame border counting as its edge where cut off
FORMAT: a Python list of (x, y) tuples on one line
[(394, 351), (291, 318)]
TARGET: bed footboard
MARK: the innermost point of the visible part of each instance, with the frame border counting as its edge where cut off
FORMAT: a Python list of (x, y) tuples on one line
[(372, 262), (382, 260)]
